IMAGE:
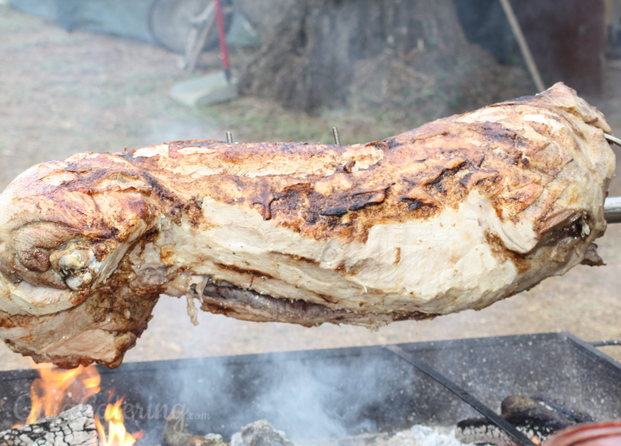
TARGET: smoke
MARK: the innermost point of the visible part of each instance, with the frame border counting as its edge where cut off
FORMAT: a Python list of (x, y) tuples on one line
[(309, 395), (304, 403), (304, 397)]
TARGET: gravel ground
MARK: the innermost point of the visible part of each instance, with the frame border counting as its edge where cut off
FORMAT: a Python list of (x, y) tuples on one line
[(62, 93)]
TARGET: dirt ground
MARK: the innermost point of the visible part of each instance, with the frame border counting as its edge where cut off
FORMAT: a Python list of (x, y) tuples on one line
[(63, 93)]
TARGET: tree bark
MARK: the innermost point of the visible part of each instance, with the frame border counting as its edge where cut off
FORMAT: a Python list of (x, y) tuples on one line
[(74, 427), (322, 48)]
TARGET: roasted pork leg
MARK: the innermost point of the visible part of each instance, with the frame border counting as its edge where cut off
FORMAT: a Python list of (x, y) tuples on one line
[(454, 215)]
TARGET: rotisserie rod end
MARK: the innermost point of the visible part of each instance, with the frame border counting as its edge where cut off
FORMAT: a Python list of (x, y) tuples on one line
[(613, 139), (612, 209)]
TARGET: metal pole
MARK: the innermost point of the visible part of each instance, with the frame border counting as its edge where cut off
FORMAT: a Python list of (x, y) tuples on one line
[(528, 57), (224, 50), (616, 17)]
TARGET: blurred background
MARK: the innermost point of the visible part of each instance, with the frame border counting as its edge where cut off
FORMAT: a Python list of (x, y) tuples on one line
[(102, 75)]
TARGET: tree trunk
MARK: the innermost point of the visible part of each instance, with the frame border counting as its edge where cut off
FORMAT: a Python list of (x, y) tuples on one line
[(313, 59), (74, 427)]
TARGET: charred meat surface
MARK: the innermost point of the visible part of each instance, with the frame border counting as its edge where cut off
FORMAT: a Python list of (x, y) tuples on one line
[(454, 215)]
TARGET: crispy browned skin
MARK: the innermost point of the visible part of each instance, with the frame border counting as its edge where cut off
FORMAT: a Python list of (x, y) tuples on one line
[(453, 215)]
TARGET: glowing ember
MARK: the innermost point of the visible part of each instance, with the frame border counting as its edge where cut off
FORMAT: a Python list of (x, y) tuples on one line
[(57, 390)]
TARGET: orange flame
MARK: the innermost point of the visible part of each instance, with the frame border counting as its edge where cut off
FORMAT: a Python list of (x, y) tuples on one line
[(117, 434), (55, 389)]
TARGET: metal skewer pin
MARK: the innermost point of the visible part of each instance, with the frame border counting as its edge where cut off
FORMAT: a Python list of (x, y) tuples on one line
[(613, 139), (335, 133), (229, 137)]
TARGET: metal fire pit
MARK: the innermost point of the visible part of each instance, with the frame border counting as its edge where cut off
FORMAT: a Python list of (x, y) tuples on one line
[(348, 391)]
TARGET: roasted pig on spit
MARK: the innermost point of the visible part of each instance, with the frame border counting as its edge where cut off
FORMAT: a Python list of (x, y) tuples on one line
[(454, 215)]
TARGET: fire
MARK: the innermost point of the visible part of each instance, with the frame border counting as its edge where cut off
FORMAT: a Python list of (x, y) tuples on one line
[(117, 434), (56, 390)]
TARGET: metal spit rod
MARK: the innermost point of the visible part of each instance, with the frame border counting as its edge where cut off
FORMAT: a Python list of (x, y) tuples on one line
[(612, 205), (613, 139), (612, 210)]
